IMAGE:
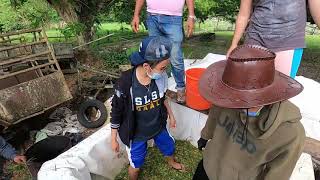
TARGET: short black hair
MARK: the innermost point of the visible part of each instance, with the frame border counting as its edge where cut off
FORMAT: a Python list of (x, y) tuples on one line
[(154, 63)]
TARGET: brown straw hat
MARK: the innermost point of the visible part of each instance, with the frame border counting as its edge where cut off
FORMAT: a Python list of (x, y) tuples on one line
[(247, 79)]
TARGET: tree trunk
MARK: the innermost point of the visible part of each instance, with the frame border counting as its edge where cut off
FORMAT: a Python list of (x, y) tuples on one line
[(69, 15)]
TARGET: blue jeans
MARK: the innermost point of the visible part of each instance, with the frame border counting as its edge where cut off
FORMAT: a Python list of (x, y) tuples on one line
[(170, 27)]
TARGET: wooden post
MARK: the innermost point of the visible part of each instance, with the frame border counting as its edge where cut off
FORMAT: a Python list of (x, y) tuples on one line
[(50, 49)]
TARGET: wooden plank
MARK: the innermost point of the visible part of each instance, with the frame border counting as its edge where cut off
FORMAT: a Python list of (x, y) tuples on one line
[(105, 73), (20, 32), (10, 40), (22, 59), (26, 70), (50, 49), (312, 147), (93, 41), (21, 45)]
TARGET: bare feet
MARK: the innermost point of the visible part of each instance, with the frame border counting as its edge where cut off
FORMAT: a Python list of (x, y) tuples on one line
[(175, 165), (133, 173)]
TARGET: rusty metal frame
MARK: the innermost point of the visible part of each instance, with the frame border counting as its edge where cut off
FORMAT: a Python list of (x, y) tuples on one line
[(43, 63)]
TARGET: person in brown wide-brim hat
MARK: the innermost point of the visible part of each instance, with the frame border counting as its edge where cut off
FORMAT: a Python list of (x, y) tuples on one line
[(255, 131), (247, 79)]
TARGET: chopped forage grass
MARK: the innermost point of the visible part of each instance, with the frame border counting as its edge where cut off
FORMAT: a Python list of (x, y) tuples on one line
[(156, 167)]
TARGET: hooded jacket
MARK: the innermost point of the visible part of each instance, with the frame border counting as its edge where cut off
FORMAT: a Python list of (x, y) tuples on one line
[(267, 149), (122, 111)]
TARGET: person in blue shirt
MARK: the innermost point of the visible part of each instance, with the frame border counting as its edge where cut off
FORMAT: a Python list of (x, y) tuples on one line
[(9, 153)]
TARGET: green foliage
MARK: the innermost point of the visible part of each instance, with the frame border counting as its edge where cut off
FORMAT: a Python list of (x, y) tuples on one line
[(227, 9), (37, 12), (25, 14), (204, 9), (72, 30), (17, 171), (9, 19), (122, 11), (112, 57)]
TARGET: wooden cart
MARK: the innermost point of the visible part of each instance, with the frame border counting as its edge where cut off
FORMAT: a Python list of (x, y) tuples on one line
[(31, 80)]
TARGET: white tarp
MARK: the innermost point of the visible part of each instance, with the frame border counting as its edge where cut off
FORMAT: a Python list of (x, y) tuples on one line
[(94, 155)]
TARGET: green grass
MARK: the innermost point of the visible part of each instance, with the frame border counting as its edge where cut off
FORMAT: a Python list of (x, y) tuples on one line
[(54, 33), (313, 42), (17, 171), (198, 48), (156, 168)]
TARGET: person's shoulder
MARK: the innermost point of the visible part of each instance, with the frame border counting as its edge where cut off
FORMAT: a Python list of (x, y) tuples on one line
[(126, 75), (292, 133), (125, 81), (291, 125), (289, 112), (289, 106)]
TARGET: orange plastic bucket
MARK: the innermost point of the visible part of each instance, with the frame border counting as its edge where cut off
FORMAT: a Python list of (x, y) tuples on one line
[(193, 98)]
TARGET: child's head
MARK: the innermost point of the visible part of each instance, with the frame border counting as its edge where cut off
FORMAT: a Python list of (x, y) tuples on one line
[(153, 55)]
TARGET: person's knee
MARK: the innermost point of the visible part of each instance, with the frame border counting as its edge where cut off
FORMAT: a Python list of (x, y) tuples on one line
[(138, 160), (168, 149), (166, 144), (137, 154)]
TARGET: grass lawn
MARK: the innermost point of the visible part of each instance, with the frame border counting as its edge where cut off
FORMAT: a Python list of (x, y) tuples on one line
[(156, 168), (313, 42)]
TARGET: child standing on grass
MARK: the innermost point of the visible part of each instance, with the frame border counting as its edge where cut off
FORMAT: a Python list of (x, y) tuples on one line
[(139, 108)]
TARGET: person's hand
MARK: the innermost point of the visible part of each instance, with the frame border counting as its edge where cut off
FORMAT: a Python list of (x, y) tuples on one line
[(115, 146), (20, 159), (135, 24), (232, 47), (202, 143), (190, 26), (172, 122)]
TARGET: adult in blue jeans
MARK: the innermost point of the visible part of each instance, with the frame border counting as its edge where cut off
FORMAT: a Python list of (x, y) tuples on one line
[(165, 19)]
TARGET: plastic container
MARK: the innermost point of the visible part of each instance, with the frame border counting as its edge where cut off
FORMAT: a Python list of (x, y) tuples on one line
[(193, 98)]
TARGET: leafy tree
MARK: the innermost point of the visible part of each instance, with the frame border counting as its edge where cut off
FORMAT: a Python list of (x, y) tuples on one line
[(76, 13), (226, 9), (29, 14), (37, 12), (9, 19), (84, 12)]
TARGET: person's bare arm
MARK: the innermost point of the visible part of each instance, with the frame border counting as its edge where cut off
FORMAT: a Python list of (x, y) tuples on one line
[(191, 21), (241, 23), (172, 120), (314, 6), (114, 141), (136, 17)]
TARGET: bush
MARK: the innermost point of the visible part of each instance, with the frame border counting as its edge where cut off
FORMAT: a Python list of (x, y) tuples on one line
[(113, 57)]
